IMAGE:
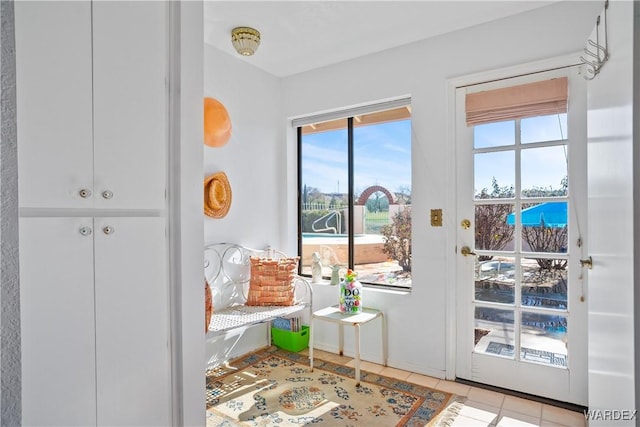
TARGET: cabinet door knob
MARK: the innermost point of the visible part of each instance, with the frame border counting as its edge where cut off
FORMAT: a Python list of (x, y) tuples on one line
[(107, 194), (84, 193), (108, 230), (85, 231)]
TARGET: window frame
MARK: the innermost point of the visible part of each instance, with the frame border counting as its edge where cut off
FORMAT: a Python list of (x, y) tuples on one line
[(348, 115)]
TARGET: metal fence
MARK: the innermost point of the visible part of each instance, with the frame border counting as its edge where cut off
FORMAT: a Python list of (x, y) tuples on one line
[(374, 221), (320, 206)]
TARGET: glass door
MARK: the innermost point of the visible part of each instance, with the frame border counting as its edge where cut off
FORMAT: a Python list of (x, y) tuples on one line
[(521, 315)]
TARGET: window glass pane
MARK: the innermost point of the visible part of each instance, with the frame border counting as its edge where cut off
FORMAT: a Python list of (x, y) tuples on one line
[(494, 332), (495, 280), (381, 170), (544, 171), (544, 283), (543, 339), (494, 134), (494, 175), (494, 231), (544, 227), (543, 128), (382, 206), (324, 174)]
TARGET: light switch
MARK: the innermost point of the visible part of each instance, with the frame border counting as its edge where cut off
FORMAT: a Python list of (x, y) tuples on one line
[(436, 217)]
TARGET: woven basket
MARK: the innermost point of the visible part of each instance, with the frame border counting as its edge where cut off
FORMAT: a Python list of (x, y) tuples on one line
[(271, 281)]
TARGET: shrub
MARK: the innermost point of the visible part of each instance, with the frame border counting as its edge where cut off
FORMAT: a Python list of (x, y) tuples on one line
[(397, 239)]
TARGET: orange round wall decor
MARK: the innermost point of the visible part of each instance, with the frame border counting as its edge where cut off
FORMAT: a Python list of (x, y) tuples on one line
[(217, 123)]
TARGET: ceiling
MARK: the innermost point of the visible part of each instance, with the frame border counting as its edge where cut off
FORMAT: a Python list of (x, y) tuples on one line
[(299, 36)]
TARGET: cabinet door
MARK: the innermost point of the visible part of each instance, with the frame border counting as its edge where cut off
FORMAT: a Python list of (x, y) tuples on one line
[(130, 60), (132, 322), (57, 315), (53, 65)]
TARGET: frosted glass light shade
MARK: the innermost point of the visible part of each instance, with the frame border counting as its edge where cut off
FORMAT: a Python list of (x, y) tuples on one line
[(245, 40)]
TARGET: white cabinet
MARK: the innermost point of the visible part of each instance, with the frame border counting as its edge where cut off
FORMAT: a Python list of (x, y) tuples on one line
[(95, 321), (54, 103), (92, 159), (57, 322), (92, 104), (132, 322)]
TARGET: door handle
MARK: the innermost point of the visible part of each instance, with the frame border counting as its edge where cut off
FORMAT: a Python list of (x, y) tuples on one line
[(587, 263), (466, 251)]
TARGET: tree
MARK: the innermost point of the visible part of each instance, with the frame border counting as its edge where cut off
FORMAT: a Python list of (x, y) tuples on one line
[(378, 202), (492, 230), (397, 239), (403, 195)]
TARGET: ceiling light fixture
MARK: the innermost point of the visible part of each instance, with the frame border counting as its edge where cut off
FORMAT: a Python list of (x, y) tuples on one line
[(245, 40)]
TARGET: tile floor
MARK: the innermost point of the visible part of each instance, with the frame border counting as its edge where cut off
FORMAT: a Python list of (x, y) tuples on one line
[(482, 407)]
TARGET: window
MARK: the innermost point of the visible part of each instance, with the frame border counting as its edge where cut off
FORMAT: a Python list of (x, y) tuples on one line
[(355, 193)]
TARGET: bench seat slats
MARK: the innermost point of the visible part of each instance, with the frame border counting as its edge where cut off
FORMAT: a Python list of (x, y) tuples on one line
[(244, 315)]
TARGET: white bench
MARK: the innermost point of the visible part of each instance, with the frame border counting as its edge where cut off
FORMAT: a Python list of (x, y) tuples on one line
[(227, 271)]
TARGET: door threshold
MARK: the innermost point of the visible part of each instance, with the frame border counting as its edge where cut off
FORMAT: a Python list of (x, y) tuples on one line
[(564, 405)]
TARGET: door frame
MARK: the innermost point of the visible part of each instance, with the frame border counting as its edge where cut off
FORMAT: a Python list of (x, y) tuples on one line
[(451, 205)]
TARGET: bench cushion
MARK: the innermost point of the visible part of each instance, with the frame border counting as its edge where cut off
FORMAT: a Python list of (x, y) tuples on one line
[(272, 281)]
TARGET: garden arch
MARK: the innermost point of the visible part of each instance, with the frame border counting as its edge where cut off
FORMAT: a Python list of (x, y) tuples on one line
[(362, 200)]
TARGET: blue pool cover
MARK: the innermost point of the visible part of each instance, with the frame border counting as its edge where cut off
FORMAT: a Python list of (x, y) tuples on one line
[(552, 214)]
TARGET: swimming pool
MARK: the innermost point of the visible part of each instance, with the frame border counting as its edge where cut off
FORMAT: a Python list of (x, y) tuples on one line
[(368, 247)]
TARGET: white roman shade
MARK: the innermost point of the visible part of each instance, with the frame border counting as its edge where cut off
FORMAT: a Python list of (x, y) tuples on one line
[(516, 102)]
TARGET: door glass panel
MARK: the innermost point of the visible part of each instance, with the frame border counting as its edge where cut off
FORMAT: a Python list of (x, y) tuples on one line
[(494, 134), (494, 331), (544, 171), (543, 128), (493, 231), (544, 339), (550, 234), (494, 175), (544, 283), (495, 280)]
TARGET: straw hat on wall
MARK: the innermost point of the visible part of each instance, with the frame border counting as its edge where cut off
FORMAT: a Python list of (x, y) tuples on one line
[(217, 123), (217, 195)]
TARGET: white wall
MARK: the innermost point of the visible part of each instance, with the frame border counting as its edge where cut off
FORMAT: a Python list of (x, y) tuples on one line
[(417, 322), (253, 162), (252, 159)]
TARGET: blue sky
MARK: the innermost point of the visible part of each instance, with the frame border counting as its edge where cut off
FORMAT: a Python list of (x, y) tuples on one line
[(540, 167), (382, 156)]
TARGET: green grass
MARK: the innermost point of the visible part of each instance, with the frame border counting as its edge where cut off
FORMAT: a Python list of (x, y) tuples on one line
[(377, 216)]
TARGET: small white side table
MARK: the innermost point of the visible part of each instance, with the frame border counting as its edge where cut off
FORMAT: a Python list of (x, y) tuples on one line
[(334, 315)]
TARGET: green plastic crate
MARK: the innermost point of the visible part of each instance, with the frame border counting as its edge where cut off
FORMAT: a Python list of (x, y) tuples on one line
[(291, 341)]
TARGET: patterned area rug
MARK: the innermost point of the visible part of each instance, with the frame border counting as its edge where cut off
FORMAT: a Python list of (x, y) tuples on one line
[(273, 387)]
